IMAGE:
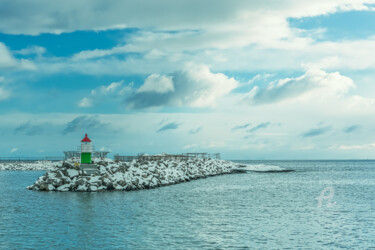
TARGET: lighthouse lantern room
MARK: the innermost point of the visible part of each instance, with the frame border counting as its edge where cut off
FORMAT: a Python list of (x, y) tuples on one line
[(86, 150)]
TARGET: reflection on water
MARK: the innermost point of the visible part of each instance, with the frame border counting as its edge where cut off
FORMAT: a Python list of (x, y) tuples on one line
[(243, 210)]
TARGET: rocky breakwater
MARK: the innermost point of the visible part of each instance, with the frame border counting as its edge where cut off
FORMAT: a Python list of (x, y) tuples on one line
[(129, 176), (30, 166)]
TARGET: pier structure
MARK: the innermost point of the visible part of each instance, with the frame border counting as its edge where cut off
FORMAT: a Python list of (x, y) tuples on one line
[(77, 154), (185, 156)]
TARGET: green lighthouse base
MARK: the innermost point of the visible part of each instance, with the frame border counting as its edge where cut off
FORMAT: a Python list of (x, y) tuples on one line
[(86, 158)]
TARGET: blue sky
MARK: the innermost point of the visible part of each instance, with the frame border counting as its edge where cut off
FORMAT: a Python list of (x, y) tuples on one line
[(249, 79)]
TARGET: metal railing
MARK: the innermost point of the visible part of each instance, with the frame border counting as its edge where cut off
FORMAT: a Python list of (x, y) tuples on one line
[(185, 156), (77, 154)]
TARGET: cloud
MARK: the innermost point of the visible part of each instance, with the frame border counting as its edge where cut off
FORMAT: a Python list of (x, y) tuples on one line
[(190, 146), (106, 93), (259, 126), (30, 129), (195, 131), (361, 105), (156, 83), (8, 61), (4, 94), (23, 17), (220, 34), (195, 86), (114, 88), (352, 129), (295, 53), (314, 81), (85, 103), (13, 150), (84, 123), (169, 126), (31, 50), (364, 146), (240, 127), (316, 131), (105, 149), (6, 58), (258, 77)]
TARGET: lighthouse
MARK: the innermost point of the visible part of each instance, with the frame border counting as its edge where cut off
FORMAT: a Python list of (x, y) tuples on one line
[(86, 150)]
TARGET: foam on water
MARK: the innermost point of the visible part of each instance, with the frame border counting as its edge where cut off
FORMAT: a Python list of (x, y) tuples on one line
[(262, 168)]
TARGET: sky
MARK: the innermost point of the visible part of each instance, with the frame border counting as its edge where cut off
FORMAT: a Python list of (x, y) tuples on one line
[(270, 79)]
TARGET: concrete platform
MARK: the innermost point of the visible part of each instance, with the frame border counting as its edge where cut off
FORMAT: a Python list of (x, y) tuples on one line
[(89, 169)]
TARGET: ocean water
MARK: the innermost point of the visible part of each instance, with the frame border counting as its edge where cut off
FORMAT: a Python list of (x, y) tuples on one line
[(252, 210)]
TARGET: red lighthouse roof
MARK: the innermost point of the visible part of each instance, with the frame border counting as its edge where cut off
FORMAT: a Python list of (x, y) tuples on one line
[(86, 139)]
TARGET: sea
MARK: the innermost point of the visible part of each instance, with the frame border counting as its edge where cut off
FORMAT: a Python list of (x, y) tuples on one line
[(321, 205)]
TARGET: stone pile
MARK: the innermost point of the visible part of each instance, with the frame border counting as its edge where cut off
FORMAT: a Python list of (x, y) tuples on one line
[(30, 166), (129, 176)]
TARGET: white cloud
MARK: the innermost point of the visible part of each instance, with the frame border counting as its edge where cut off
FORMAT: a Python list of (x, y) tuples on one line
[(13, 150), (6, 58), (112, 88), (85, 103), (4, 94), (204, 86), (67, 16), (226, 35), (105, 149), (360, 105), (190, 146), (106, 93), (314, 83), (364, 146), (158, 84), (195, 86), (96, 53), (357, 54), (240, 36), (32, 50), (291, 53), (8, 61)]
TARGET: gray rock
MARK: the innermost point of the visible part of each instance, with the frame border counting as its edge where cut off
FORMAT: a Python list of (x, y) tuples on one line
[(93, 188), (81, 181)]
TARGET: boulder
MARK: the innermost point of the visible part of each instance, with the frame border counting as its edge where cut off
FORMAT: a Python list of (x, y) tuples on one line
[(50, 187), (65, 180), (81, 188), (81, 181), (93, 188), (57, 182), (63, 188), (110, 187), (72, 173)]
